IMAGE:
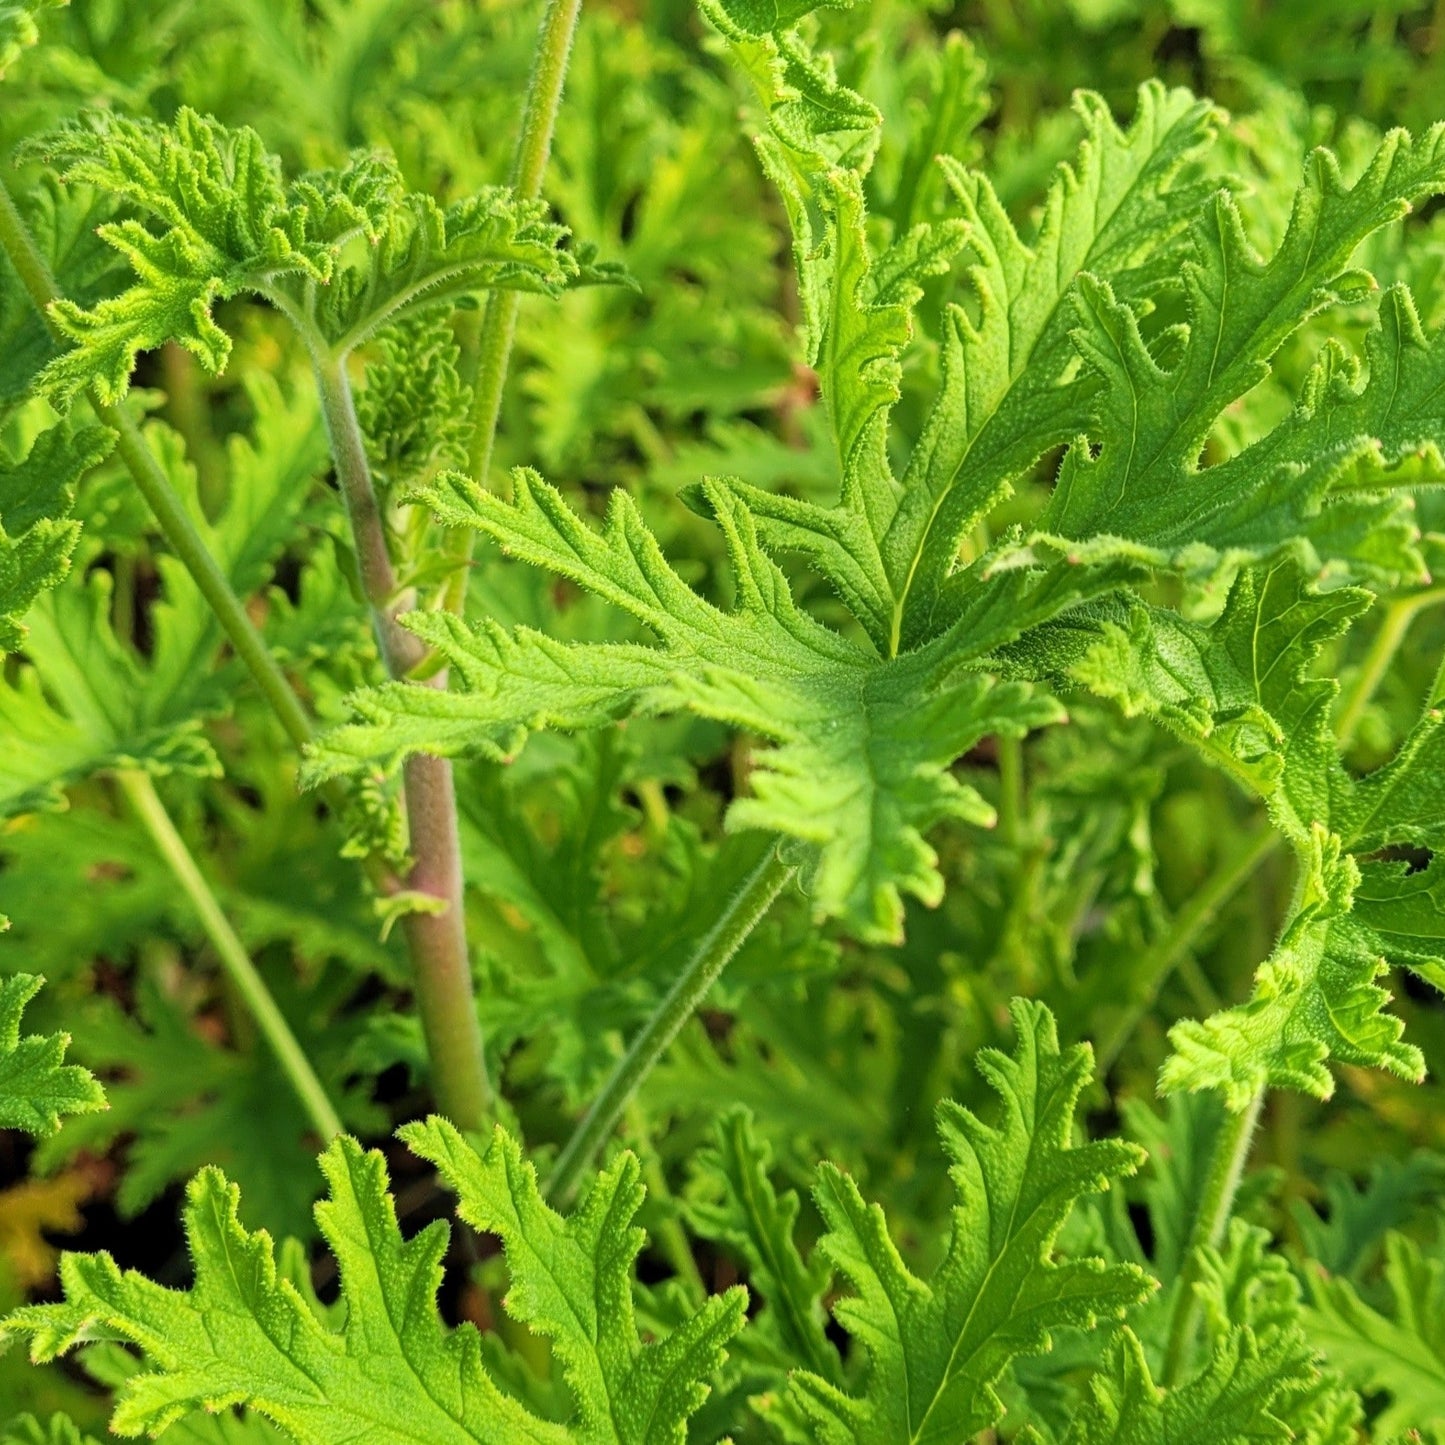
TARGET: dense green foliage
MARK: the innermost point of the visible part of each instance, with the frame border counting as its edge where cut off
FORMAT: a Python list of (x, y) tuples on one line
[(722, 722)]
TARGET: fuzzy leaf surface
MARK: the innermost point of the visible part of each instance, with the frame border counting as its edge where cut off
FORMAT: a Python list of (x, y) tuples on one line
[(344, 251), (1145, 488), (737, 1205), (571, 1281), (392, 1372), (937, 1347), (37, 535), (37, 1086), (863, 745), (1398, 1351), (1228, 1403)]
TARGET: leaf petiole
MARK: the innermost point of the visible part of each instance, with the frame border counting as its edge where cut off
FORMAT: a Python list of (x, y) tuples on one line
[(140, 792), (715, 949), (1231, 1152), (1399, 615), (499, 320)]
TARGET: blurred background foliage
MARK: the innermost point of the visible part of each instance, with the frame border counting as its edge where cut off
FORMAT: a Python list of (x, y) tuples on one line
[(1112, 888)]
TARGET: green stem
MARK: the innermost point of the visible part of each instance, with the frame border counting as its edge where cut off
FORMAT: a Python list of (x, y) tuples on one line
[(189, 546), (175, 522), (499, 321), (1184, 929), (23, 254), (436, 937), (739, 917), (1231, 1151), (236, 962), (400, 649), (1399, 614), (437, 941)]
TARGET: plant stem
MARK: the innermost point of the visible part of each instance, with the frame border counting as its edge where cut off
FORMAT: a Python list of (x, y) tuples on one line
[(150, 479), (441, 963), (740, 915), (23, 254), (190, 547), (436, 938), (1231, 1151), (236, 962), (437, 941), (499, 321), (1185, 927), (400, 649), (1399, 614)]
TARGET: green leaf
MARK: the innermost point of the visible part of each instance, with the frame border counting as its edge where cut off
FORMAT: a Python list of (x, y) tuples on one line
[(63, 223), (108, 714), (342, 253), (890, 546), (414, 410), (36, 1085), (85, 701), (1240, 689), (1399, 1353), (1315, 999), (1404, 801), (36, 535), (571, 1282), (937, 1347), (819, 122), (1252, 1296), (864, 746), (1180, 1141), (393, 1372), (1345, 1237), (180, 1101), (1145, 490), (769, 17), (1404, 912), (1226, 1404), (733, 1202), (58, 1430)]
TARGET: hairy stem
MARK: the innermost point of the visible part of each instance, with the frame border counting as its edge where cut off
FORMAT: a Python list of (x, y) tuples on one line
[(175, 522), (239, 970), (23, 254), (1231, 1151), (436, 936), (400, 649), (1399, 614), (499, 320), (1186, 926), (437, 941), (446, 999), (740, 915)]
